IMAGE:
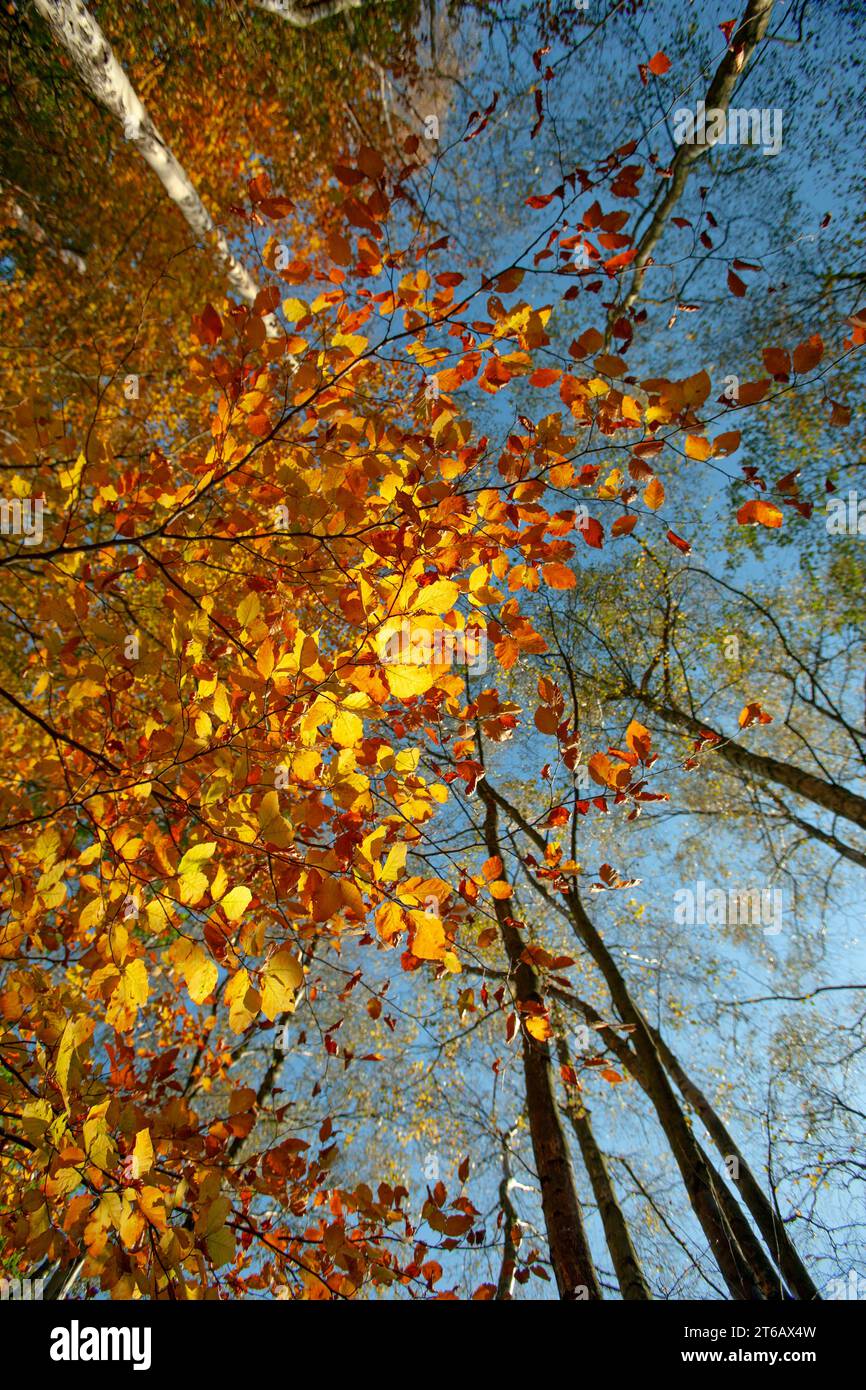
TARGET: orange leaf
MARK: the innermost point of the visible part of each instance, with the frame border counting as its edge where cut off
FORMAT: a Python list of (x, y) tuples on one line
[(557, 576), (753, 714), (546, 720), (638, 739), (759, 513), (725, 444), (697, 447), (654, 494), (777, 361), (592, 532)]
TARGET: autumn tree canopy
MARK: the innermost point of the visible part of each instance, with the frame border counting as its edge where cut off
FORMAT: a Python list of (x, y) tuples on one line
[(434, 815)]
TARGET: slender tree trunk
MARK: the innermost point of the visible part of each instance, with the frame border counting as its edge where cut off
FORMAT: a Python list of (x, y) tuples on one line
[(31, 228), (745, 38), (627, 1266), (838, 800), (58, 1285), (505, 1282), (752, 1248), (304, 16), (763, 1212), (745, 1277), (725, 1145), (570, 1255), (93, 58)]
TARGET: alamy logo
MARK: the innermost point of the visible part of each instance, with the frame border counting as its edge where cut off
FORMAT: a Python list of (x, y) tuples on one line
[(846, 518), (733, 127), (854, 1287), (22, 518), (26, 1289), (76, 1343), (414, 645), (713, 907)]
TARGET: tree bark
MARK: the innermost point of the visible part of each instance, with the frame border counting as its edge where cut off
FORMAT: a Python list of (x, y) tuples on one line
[(765, 1216), (305, 16), (505, 1282), (745, 1270), (627, 1266), (830, 797), (93, 58), (570, 1255), (744, 40)]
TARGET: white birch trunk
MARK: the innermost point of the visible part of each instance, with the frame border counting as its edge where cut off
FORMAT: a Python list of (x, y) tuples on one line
[(303, 17), (80, 36)]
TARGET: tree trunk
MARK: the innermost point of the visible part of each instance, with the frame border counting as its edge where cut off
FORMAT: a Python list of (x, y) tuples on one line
[(570, 1255), (838, 800), (765, 1216), (80, 36), (626, 1056), (505, 1282), (304, 16), (627, 1267), (744, 1270), (747, 35)]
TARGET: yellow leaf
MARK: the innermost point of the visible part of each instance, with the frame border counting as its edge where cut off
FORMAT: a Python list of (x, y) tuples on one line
[(282, 977), (439, 597), (295, 309), (274, 828), (196, 855), (265, 659), (539, 1028), (221, 706), (248, 609), (135, 982), (243, 1001), (428, 941), (347, 729), (142, 1153), (236, 902), (64, 1056), (406, 681), (395, 862), (199, 969), (92, 914), (192, 887), (152, 1202), (654, 494)]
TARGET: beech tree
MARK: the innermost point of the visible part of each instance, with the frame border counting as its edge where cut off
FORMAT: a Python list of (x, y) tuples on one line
[(332, 658)]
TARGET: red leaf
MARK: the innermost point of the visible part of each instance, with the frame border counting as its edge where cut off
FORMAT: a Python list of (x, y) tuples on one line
[(736, 285), (545, 376), (592, 532), (678, 542)]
